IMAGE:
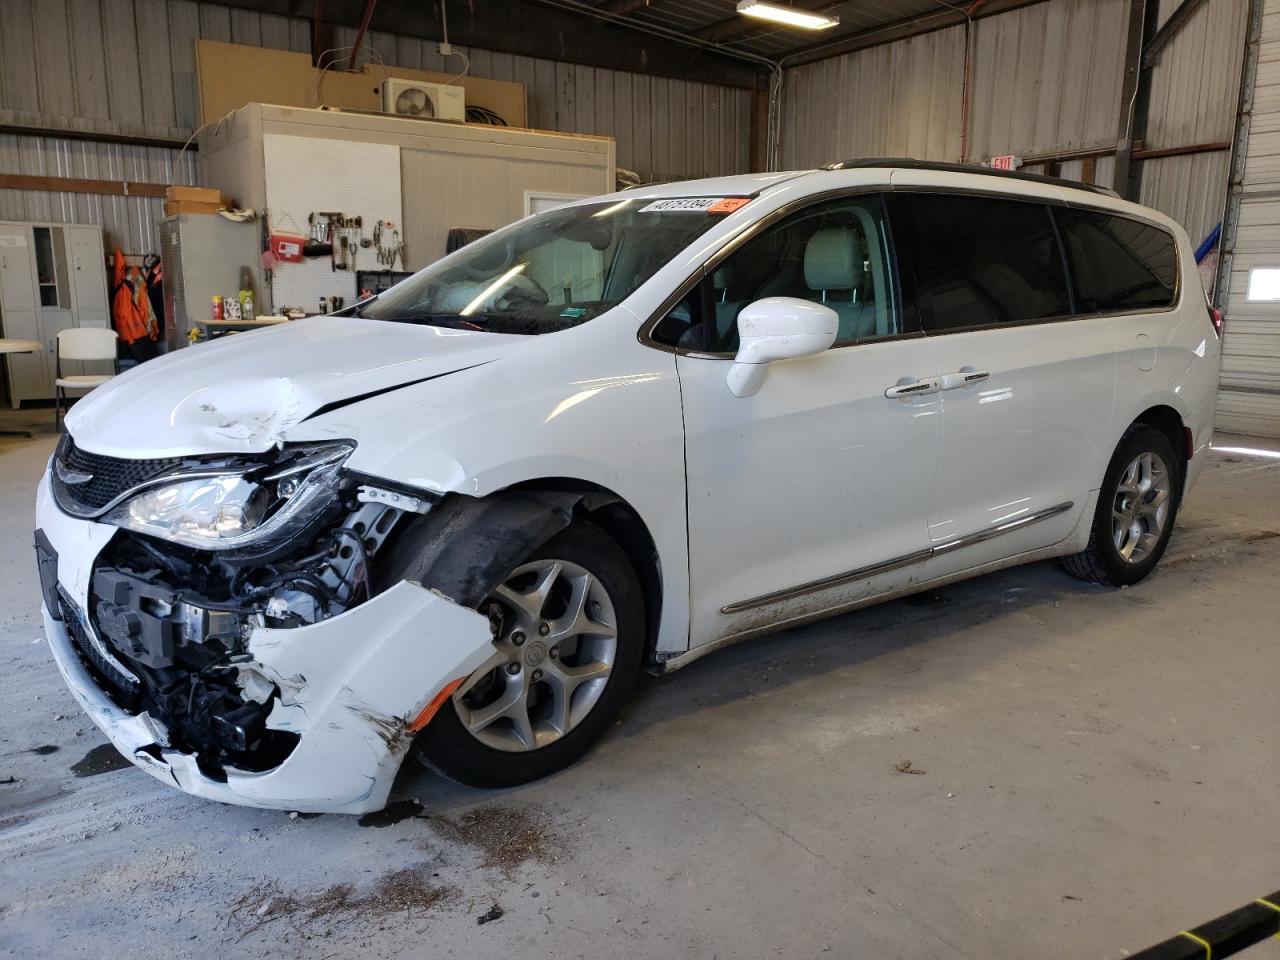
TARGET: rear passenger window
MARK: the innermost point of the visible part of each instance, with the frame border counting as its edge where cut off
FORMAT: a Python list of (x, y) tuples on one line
[(1119, 264), (984, 260)]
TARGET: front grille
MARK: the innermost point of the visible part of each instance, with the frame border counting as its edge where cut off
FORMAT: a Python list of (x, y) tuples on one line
[(108, 477), (103, 665)]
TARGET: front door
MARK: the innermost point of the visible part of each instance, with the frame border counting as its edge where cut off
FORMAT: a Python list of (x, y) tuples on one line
[(812, 494), (1027, 383)]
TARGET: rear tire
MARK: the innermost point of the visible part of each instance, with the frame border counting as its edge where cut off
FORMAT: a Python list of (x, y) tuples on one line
[(1137, 506), (549, 716)]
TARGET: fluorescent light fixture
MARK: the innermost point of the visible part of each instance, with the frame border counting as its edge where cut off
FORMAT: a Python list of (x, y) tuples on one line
[(491, 290), (788, 15), (1264, 285)]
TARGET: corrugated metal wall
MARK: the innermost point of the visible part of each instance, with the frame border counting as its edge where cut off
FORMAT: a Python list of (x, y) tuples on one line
[(897, 100), (128, 67), (1194, 89), (1249, 401), (1046, 79)]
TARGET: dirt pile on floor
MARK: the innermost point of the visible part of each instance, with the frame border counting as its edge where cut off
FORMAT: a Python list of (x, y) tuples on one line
[(411, 889)]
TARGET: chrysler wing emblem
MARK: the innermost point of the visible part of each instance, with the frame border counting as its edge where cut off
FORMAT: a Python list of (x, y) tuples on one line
[(69, 476)]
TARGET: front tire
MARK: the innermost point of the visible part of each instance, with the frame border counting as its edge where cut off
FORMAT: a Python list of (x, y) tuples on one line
[(1137, 506), (569, 639)]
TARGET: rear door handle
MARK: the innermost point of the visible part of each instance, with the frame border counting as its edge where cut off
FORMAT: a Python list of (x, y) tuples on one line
[(906, 388), (963, 378)]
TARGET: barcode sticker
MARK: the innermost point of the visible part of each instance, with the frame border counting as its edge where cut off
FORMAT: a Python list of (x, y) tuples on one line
[(695, 205)]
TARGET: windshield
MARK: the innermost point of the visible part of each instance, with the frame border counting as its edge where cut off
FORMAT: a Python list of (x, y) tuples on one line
[(552, 271)]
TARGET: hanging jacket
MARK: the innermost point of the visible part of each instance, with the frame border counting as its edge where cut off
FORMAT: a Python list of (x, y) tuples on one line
[(130, 313), (153, 273)]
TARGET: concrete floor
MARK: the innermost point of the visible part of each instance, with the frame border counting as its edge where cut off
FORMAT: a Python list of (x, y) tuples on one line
[(1097, 770)]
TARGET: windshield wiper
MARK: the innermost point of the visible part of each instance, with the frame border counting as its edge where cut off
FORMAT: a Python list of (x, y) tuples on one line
[(453, 320)]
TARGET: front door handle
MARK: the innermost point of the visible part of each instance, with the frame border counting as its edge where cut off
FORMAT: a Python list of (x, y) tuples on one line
[(963, 378), (907, 388)]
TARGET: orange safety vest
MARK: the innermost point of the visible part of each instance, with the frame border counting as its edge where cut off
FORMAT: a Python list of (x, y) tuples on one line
[(130, 307)]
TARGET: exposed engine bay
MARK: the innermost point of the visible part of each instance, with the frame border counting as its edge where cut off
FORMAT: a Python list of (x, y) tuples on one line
[(182, 623), (175, 620)]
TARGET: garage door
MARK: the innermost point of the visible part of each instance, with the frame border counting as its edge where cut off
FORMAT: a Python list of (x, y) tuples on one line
[(1249, 397)]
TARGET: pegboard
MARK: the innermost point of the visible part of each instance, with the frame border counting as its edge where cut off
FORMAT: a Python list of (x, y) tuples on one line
[(308, 174)]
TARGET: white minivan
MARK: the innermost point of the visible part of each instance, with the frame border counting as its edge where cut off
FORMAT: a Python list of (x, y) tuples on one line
[(461, 517)]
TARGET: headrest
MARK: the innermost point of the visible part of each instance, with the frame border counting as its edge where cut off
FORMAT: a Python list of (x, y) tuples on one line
[(833, 260)]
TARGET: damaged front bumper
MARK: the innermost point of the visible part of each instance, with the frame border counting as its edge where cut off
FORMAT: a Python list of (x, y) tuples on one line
[(350, 687)]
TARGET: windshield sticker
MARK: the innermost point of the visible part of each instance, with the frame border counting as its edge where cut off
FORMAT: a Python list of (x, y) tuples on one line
[(695, 205)]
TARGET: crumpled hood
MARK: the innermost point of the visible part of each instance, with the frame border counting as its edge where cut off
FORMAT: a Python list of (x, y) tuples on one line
[(241, 393)]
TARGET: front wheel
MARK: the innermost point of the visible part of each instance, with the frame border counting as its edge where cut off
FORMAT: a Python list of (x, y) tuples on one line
[(1137, 506), (568, 637)]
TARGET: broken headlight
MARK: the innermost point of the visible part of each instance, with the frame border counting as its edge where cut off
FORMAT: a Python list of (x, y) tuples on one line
[(229, 509)]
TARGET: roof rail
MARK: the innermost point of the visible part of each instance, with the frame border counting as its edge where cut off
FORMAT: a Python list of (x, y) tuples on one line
[(911, 163)]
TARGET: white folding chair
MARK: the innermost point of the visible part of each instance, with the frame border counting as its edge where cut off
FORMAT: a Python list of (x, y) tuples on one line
[(81, 343)]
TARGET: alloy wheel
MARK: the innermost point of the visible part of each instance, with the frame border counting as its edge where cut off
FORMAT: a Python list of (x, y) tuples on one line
[(555, 640), (1141, 507)]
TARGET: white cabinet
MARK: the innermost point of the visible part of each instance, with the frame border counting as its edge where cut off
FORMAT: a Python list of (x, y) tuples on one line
[(52, 277)]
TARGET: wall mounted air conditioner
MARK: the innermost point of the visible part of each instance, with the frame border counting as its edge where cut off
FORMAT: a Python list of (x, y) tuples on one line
[(428, 101)]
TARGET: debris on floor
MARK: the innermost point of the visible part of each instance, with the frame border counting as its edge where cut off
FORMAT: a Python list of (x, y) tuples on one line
[(904, 766), (396, 892), (493, 913), (392, 813), (506, 836)]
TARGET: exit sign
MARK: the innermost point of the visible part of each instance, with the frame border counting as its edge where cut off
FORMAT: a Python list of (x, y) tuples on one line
[(1009, 162)]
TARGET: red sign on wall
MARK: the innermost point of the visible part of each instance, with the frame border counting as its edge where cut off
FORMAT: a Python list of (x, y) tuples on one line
[(1009, 162)]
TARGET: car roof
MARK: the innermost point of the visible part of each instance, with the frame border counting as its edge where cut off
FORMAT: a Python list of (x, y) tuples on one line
[(967, 176), (745, 185)]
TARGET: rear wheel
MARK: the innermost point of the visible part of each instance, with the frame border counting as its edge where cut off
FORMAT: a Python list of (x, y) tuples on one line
[(569, 637), (1137, 506)]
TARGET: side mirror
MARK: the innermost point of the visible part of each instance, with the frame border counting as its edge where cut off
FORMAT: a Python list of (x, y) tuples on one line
[(778, 328)]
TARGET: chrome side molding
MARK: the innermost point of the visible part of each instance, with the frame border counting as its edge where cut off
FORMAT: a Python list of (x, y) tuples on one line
[(919, 556)]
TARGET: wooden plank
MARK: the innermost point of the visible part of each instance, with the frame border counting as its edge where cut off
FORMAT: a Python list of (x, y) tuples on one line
[(231, 75), (120, 188)]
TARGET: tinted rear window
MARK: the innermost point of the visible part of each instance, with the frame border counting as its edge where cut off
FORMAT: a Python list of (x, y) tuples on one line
[(984, 260), (1119, 264)]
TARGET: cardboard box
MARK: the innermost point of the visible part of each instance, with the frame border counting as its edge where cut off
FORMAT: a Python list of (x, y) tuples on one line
[(193, 194), (173, 208)]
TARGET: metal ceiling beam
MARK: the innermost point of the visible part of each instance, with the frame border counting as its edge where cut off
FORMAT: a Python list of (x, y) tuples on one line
[(1171, 28), (624, 7), (739, 25), (902, 30), (1132, 112), (364, 27)]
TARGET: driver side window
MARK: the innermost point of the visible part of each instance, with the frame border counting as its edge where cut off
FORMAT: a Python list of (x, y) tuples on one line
[(835, 253)]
